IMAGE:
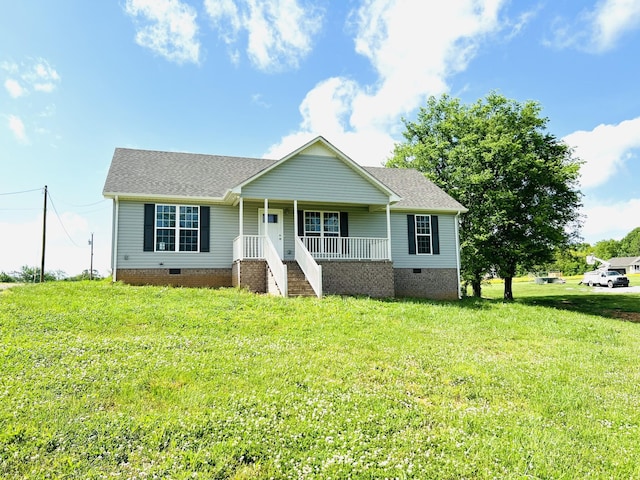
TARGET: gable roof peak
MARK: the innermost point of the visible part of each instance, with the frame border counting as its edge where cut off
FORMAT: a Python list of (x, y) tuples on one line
[(337, 153)]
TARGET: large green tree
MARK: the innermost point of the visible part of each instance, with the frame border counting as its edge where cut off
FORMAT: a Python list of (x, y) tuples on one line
[(630, 244), (519, 182), (606, 249)]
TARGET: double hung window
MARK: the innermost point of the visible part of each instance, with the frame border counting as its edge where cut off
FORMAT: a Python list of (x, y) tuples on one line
[(423, 234), (321, 224), (322, 232), (177, 228)]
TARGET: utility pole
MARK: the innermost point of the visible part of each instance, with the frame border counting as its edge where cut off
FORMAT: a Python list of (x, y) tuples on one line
[(91, 267), (44, 234)]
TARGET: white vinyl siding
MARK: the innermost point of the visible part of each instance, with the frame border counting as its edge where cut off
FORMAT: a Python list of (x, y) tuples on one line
[(223, 229), (400, 250), (317, 179)]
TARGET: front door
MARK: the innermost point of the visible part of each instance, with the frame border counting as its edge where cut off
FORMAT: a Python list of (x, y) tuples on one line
[(275, 229)]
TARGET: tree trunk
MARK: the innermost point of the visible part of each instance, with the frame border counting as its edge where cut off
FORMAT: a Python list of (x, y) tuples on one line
[(477, 287), (508, 288)]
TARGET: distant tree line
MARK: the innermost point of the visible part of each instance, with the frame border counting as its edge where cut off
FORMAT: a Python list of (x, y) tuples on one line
[(572, 260), (29, 274)]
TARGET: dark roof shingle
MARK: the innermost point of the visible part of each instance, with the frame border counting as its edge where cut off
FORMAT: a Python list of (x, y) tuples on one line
[(415, 189), (147, 172)]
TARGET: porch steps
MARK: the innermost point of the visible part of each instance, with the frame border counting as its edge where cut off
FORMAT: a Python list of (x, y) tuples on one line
[(297, 282)]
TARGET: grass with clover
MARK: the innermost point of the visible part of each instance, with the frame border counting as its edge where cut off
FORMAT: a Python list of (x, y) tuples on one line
[(102, 380)]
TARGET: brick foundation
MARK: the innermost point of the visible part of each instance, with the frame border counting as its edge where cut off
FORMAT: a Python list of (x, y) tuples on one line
[(250, 274), (434, 283), (374, 279), (180, 277)]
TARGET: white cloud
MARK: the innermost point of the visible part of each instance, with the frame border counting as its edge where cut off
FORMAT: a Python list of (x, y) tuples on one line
[(41, 76), (599, 29), (14, 88), (170, 28), (606, 220), (605, 149), (17, 128), (363, 119), (9, 67), (612, 19), (257, 99), (36, 74), (280, 32)]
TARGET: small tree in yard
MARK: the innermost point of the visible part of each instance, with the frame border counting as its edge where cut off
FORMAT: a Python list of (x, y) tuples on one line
[(29, 274), (518, 181)]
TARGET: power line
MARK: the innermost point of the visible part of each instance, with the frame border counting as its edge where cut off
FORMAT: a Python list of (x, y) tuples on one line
[(18, 209), (60, 220), (88, 204), (23, 191)]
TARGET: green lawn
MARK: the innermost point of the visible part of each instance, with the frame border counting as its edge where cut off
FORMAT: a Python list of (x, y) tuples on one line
[(111, 381)]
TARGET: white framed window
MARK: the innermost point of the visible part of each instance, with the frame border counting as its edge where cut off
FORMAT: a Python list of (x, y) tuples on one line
[(321, 224), (177, 228), (424, 239)]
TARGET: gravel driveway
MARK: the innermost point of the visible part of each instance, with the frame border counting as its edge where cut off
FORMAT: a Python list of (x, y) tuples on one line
[(633, 289)]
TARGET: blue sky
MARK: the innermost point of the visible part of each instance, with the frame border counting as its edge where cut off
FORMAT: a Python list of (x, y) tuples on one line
[(249, 78)]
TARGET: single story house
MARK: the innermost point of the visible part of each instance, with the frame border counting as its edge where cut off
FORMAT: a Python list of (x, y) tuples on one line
[(314, 222), (625, 265)]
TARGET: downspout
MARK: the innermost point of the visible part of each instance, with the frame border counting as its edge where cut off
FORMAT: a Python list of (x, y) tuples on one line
[(114, 260), (457, 222), (389, 231), (241, 228)]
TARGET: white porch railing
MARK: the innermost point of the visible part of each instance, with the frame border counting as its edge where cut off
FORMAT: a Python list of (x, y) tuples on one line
[(259, 247), (248, 247), (347, 248), (311, 269), (322, 248), (278, 269)]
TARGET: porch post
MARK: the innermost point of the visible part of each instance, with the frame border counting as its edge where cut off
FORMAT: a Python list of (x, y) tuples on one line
[(241, 228), (389, 230), (295, 217), (265, 220)]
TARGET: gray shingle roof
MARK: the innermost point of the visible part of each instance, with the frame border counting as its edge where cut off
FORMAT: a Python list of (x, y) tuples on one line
[(623, 261), (171, 174), (167, 174), (415, 189)]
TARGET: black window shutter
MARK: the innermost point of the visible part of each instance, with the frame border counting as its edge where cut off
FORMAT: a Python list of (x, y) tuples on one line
[(204, 229), (301, 223), (435, 236), (344, 224), (149, 218), (411, 233)]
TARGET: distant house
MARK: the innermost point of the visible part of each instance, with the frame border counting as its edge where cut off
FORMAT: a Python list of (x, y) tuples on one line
[(625, 264), (314, 222)]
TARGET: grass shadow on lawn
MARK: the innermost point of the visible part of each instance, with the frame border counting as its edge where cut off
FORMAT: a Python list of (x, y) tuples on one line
[(616, 306), (620, 307)]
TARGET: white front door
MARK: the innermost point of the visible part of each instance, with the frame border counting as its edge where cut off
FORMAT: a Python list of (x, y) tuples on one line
[(275, 229)]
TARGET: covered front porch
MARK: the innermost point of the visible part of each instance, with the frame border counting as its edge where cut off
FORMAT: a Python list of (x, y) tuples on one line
[(279, 232)]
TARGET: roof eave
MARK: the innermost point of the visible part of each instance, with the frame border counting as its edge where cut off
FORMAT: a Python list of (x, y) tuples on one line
[(155, 196), (451, 211)]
